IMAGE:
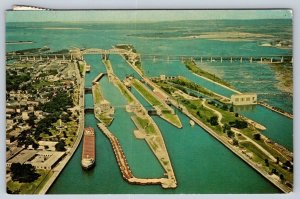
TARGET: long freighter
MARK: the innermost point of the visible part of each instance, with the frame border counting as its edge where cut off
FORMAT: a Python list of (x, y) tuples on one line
[(88, 148)]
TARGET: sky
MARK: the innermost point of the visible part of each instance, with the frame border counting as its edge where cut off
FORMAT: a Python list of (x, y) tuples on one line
[(142, 15)]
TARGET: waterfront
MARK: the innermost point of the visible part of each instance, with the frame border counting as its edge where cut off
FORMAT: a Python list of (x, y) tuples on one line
[(200, 162), (189, 146)]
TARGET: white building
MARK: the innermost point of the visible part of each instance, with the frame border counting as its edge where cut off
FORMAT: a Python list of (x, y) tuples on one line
[(162, 77), (244, 99)]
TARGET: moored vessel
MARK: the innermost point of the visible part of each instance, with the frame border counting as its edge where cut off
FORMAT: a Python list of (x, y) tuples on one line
[(192, 123), (88, 148)]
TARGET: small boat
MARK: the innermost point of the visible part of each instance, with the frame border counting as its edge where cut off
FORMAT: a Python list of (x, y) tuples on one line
[(88, 149), (192, 123)]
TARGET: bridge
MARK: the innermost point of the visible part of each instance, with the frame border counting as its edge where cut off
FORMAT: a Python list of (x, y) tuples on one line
[(98, 51), (163, 78), (88, 89), (98, 77), (39, 57), (221, 59), (88, 110)]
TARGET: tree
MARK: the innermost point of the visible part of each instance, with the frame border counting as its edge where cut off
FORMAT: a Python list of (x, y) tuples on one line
[(267, 162), (257, 136), (236, 114), (35, 145), (281, 177), (231, 108), (60, 146), (274, 171), (230, 134), (224, 107), (12, 139), (31, 120), (240, 124), (235, 142), (213, 120), (23, 172), (277, 160)]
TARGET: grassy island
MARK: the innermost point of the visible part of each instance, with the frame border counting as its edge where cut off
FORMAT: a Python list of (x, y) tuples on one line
[(234, 129), (192, 66), (164, 111), (147, 128), (101, 113)]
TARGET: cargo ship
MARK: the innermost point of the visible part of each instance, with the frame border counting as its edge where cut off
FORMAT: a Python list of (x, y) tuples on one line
[(88, 148)]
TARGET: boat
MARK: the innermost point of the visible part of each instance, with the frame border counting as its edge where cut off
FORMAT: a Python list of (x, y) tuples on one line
[(88, 148), (192, 123)]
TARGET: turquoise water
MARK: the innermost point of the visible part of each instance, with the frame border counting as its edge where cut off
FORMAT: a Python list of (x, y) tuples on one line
[(201, 164), (279, 128)]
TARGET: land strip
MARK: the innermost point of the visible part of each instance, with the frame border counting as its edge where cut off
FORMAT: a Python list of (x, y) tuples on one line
[(163, 110), (152, 134), (272, 176)]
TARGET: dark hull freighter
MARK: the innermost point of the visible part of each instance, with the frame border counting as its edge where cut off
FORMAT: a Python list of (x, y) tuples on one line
[(88, 148)]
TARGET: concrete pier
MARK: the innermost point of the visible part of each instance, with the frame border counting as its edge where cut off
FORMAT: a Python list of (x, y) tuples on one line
[(98, 77), (124, 167)]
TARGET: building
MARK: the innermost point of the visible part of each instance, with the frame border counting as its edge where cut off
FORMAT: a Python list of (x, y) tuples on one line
[(46, 160), (25, 115), (162, 77), (40, 159), (244, 99), (21, 158)]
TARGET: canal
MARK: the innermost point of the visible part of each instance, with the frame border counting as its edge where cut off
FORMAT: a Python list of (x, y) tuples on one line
[(201, 164)]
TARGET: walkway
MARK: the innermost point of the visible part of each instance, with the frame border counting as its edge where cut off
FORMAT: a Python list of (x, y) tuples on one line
[(220, 117)]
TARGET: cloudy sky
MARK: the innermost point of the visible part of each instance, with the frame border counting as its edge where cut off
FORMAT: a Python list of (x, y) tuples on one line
[(143, 15)]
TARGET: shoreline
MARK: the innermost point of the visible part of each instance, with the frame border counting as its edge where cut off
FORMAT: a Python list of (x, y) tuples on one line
[(234, 149), (284, 113), (69, 154)]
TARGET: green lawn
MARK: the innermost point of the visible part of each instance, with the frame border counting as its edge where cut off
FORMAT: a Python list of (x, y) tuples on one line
[(97, 94), (41, 84), (68, 132), (191, 65), (146, 125), (125, 92), (173, 118), (166, 112), (30, 188), (146, 93)]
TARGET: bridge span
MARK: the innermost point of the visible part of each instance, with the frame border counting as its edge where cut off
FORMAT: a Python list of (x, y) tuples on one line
[(221, 59)]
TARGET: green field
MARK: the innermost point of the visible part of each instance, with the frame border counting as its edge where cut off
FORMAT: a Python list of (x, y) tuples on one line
[(30, 188), (166, 111), (191, 65)]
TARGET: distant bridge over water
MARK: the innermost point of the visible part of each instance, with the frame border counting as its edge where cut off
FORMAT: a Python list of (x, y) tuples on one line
[(158, 57), (221, 59), (38, 57)]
